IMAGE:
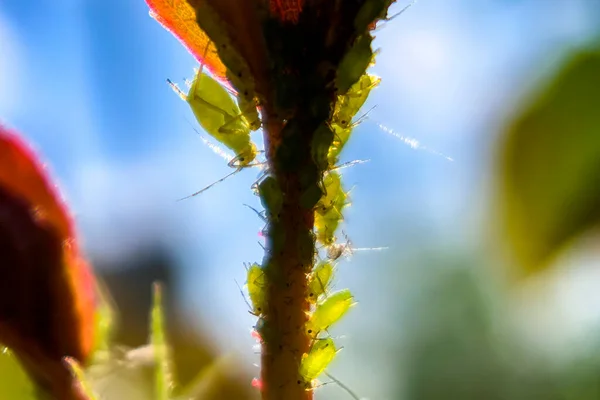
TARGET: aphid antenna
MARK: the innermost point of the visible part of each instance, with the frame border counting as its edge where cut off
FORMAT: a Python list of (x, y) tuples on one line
[(211, 185), (344, 387)]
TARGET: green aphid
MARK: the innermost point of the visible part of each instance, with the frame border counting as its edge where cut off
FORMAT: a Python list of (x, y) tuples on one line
[(329, 311), (332, 185), (316, 360), (371, 11), (256, 285), (219, 115), (328, 212), (349, 104), (340, 138), (321, 143), (271, 197), (346, 108), (326, 226), (319, 280), (354, 63)]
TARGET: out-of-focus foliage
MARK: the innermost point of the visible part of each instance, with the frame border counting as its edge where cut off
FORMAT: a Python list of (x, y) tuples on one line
[(140, 370), (15, 382), (47, 299), (459, 342), (163, 381), (551, 164)]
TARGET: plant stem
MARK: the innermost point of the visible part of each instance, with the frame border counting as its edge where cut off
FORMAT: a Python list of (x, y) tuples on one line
[(287, 264)]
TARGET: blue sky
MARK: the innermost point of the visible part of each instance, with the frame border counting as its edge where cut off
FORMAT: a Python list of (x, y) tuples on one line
[(85, 81)]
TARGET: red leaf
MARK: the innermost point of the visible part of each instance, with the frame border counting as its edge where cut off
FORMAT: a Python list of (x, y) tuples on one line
[(179, 18), (47, 290)]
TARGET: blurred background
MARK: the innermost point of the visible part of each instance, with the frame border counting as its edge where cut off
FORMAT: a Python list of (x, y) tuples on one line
[(439, 316)]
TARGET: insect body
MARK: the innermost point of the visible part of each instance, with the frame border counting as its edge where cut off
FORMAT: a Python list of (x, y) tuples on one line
[(256, 285), (328, 212), (319, 280), (329, 311), (316, 360), (346, 108), (219, 115)]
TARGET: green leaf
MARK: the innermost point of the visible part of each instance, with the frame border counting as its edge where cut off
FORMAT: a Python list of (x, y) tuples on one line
[(163, 378), (550, 177)]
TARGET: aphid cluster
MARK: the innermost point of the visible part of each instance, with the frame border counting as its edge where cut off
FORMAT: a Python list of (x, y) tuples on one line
[(309, 92), (221, 117)]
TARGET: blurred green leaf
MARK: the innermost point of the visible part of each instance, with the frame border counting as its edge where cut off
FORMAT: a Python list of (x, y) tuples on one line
[(15, 382), (550, 159), (79, 376), (163, 371)]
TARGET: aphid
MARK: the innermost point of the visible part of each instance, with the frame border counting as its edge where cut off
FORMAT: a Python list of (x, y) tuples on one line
[(271, 197), (349, 104), (332, 185), (319, 280), (316, 360), (355, 63), (346, 107), (328, 212), (256, 286), (220, 116), (329, 311)]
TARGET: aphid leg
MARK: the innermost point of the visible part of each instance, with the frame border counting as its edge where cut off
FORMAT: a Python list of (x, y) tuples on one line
[(362, 117), (211, 185), (261, 177), (349, 164), (340, 384), (244, 297), (226, 127), (262, 246), (261, 214)]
